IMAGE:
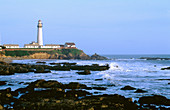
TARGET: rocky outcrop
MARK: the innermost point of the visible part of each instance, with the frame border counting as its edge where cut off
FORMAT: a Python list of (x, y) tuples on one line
[(85, 72), (156, 99), (128, 88), (73, 99), (98, 57), (40, 67)]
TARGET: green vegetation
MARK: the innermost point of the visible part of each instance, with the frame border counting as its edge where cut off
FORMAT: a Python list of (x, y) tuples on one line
[(19, 53)]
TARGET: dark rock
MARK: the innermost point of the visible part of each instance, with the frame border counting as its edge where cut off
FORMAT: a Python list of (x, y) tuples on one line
[(98, 79), (86, 72), (75, 85), (128, 88), (20, 82), (40, 69), (154, 58), (41, 62), (10, 84), (140, 91), (167, 68), (20, 69), (156, 99), (164, 79), (77, 93), (31, 70), (2, 83), (6, 96), (98, 57), (45, 84)]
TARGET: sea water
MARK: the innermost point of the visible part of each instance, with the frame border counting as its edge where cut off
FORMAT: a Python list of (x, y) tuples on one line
[(124, 70)]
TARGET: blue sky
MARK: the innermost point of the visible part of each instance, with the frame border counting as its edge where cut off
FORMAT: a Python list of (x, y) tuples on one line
[(101, 26)]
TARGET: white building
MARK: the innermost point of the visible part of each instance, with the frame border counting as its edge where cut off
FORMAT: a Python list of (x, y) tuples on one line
[(51, 46), (71, 44), (32, 45), (11, 45)]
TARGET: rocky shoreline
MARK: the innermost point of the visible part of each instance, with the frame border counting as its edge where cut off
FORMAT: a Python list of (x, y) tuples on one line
[(51, 94)]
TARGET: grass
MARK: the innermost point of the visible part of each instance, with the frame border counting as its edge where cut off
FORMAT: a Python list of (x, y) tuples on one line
[(19, 53)]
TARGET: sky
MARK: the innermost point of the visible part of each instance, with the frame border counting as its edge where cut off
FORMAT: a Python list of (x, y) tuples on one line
[(96, 26)]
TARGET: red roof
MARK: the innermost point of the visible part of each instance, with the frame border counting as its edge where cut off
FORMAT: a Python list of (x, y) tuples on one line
[(67, 43)]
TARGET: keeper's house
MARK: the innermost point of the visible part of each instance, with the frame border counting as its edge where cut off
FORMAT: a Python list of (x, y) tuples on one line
[(72, 45), (51, 46), (11, 45), (32, 45)]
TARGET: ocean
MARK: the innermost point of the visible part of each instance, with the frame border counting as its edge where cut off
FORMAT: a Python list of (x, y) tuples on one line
[(124, 70)]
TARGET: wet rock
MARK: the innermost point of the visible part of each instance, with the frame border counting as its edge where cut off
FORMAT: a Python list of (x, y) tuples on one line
[(31, 70), (167, 68), (6, 96), (164, 79), (69, 101), (98, 79), (2, 83), (61, 68), (10, 84), (77, 93), (85, 72), (128, 88), (156, 99), (45, 84), (140, 91), (154, 58), (41, 62), (75, 85), (20, 69), (90, 67), (40, 69), (54, 63)]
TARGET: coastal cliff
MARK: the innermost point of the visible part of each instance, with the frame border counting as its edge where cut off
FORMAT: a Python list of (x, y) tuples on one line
[(49, 54)]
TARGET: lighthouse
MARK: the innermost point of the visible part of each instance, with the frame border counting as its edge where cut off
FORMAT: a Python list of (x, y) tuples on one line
[(39, 33)]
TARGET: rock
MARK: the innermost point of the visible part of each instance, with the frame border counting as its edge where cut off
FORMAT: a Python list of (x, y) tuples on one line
[(128, 88), (156, 99), (83, 56), (98, 57), (98, 79), (41, 62), (61, 56), (86, 72), (77, 93), (1, 107), (75, 85), (2, 83), (164, 79), (140, 91), (6, 96), (40, 69), (154, 58), (167, 68), (45, 84)]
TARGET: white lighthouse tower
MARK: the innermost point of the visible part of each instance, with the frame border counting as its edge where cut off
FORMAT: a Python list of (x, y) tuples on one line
[(39, 34)]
